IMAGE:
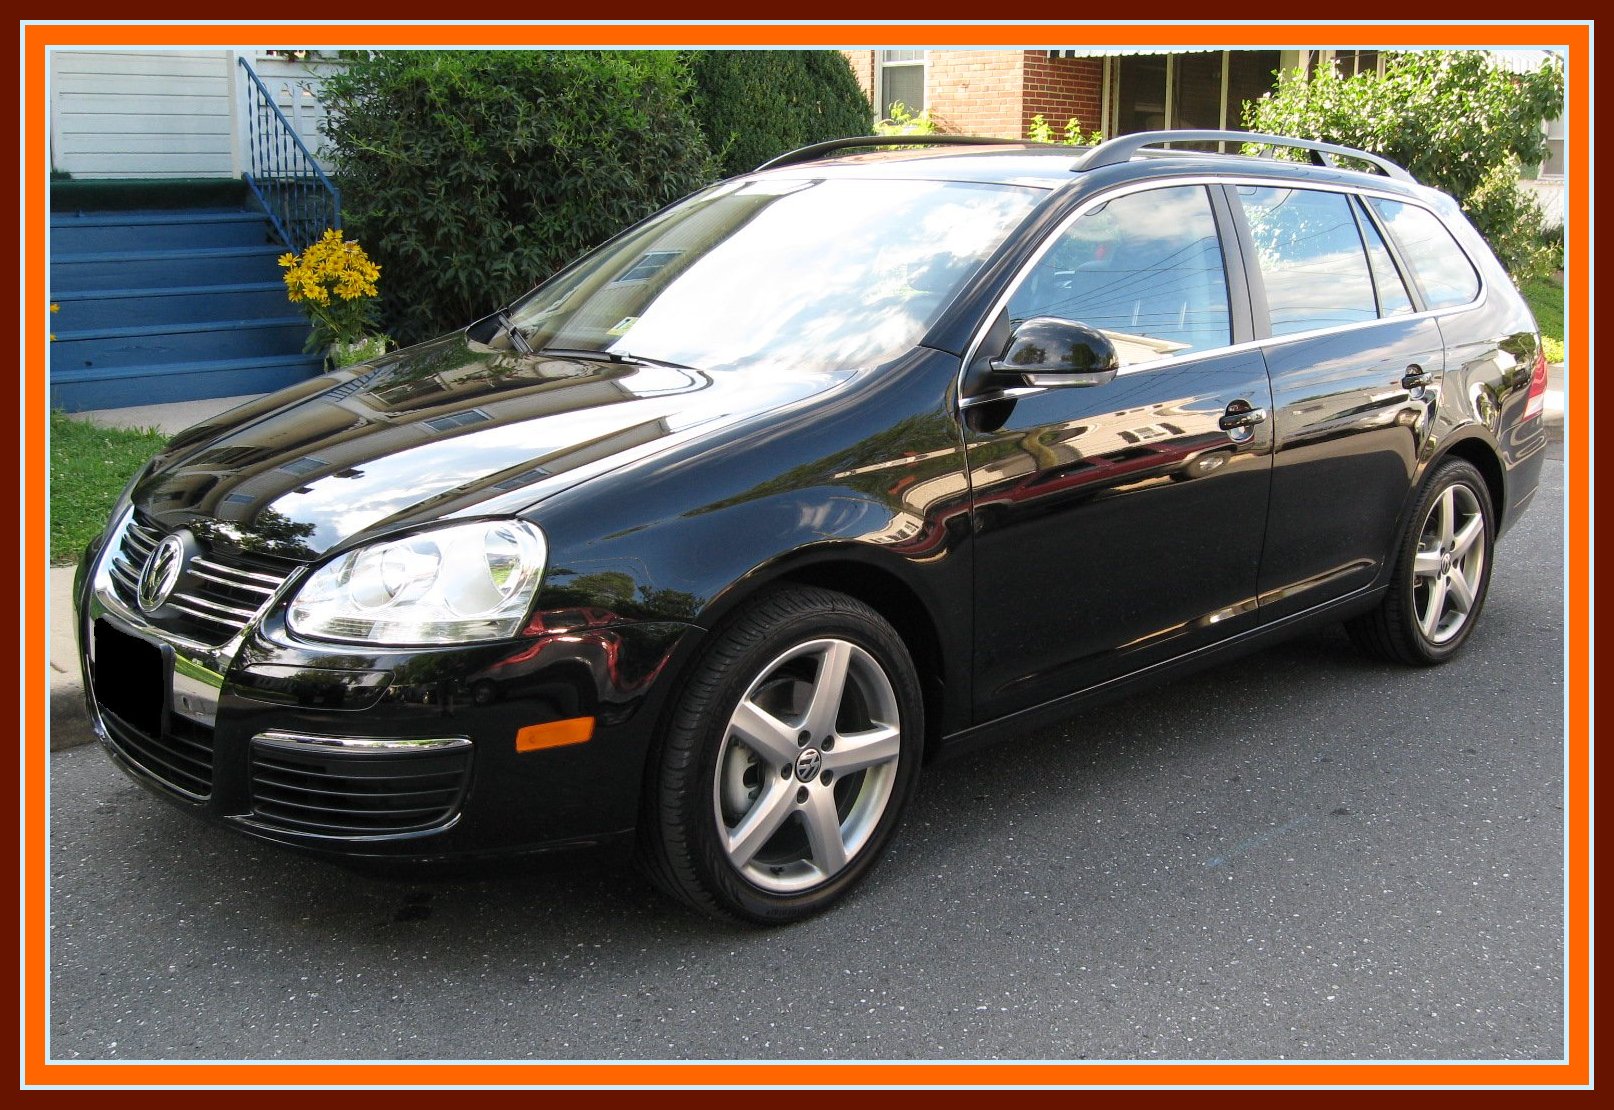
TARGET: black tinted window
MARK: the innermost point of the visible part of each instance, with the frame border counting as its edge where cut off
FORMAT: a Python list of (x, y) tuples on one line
[(1393, 298), (1145, 269), (1311, 258), (1437, 262)]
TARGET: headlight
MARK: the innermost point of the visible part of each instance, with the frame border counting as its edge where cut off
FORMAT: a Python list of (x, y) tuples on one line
[(447, 586)]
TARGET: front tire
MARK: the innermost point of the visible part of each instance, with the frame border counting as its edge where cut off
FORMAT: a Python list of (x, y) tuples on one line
[(1442, 573), (788, 760)]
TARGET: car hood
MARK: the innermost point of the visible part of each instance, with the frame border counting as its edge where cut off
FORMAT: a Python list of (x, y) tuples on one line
[(449, 428)]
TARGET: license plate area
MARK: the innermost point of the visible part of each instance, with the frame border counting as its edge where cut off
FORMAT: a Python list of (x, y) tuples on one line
[(132, 678)]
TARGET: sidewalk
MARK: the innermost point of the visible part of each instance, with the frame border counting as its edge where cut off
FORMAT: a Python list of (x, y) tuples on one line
[(69, 721), (69, 724)]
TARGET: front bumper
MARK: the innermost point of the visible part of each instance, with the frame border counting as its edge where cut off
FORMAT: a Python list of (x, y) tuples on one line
[(360, 751)]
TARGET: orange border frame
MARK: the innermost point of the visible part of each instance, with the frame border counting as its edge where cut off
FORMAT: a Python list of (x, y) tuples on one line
[(37, 1071)]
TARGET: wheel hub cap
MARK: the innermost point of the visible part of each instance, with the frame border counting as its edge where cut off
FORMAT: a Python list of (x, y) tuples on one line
[(808, 763)]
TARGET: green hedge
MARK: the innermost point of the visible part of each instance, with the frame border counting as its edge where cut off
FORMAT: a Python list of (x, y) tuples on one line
[(469, 176), (755, 104)]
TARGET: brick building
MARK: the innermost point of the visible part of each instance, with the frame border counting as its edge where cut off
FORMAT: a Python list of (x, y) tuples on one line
[(1117, 91)]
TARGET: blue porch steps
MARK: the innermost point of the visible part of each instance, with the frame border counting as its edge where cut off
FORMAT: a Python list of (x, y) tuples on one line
[(169, 305)]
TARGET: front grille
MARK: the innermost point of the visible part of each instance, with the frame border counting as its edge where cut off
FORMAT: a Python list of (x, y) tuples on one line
[(300, 788), (180, 757), (218, 594), (130, 679)]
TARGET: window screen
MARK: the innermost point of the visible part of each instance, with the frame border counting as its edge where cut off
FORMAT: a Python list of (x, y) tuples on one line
[(902, 80), (1311, 258), (1145, 269), (1438, 263)]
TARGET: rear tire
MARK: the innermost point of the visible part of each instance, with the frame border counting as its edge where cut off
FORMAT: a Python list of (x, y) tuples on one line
[(1442, 573), (789, 758)]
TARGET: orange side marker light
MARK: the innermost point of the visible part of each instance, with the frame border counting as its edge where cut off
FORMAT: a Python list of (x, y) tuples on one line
[(555, 734)]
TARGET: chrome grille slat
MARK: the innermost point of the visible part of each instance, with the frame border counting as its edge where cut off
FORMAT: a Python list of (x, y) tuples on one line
[(284, 788), (347, 811), (269, 580), (124, 574), (243, 615), (230, 582), (141, 540), (202, 614)]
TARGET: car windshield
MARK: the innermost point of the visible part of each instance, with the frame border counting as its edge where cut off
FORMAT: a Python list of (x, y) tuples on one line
[(820, 275)]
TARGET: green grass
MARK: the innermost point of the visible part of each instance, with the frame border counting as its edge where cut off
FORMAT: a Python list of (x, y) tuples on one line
[(88, 468), (1546, 297)]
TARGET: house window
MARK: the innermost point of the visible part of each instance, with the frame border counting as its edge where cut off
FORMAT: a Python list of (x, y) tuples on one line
[(1346, 63), (901, 78), (1556, 138), (1199, 89), (1140, 95)]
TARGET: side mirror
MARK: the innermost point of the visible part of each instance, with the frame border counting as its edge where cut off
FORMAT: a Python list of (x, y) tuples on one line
[(1048, 351)]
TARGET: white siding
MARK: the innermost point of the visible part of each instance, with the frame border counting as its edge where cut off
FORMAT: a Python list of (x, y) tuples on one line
[(141, 114), (167, 113)]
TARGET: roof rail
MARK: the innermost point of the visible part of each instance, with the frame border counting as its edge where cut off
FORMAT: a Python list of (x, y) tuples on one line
[(1123, 147), (819, 150)]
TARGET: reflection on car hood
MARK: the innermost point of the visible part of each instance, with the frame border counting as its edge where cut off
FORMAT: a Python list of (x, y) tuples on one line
[(450, 427)]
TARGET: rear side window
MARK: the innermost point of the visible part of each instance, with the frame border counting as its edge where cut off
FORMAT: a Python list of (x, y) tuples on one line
[(1438, 264), (1144, 268), (1311, 258)]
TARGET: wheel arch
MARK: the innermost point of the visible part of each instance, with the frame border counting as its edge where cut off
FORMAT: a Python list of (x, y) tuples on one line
[(860, 575), (1476, 450)]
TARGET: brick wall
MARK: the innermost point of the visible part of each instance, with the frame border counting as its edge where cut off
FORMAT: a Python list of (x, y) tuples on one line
[(996, 92), (1060, 89), (862, 63), (976, 92)]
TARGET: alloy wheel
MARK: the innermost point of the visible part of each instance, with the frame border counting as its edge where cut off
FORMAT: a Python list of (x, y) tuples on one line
[(807, 766), (1449, 564)]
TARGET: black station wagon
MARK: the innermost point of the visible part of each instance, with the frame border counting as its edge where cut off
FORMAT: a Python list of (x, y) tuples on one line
[(706, 545)]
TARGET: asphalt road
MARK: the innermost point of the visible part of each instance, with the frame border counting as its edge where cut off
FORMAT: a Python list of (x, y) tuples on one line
[(1299, 855)]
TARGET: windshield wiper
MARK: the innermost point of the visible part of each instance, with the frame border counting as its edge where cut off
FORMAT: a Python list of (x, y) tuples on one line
[(518, 338), (620, 357)]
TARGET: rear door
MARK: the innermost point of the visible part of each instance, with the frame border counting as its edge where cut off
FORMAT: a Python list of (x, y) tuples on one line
[(1121, 524), (1355, 369)]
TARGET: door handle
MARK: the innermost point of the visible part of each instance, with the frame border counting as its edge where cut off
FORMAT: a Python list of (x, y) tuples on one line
[(1416, 377), (1239, 414)]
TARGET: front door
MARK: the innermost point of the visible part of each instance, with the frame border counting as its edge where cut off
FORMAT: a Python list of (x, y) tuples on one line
[(1120, 524)]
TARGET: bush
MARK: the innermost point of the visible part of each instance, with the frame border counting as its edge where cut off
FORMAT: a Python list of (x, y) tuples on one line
[(1452, 118), (472, 175), (901, 121), (1041, 131), (755, 104)]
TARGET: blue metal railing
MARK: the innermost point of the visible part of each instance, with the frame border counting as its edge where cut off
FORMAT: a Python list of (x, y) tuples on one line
[(300, 200)]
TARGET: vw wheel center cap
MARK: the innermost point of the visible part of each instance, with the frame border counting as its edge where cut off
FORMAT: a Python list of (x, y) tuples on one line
[(807, 764)]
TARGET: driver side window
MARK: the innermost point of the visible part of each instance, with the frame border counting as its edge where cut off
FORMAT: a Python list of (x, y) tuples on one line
[(1144, 268)]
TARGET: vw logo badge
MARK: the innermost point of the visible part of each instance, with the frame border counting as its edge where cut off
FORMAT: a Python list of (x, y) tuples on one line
[(807, 764), (161, 573)]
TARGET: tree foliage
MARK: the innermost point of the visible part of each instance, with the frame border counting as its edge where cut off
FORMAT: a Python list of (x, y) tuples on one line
[(755, 104), (1454, 119), (469, 176)]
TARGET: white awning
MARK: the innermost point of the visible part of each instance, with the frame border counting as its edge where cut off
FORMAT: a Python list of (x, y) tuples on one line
[(1120, 51)]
